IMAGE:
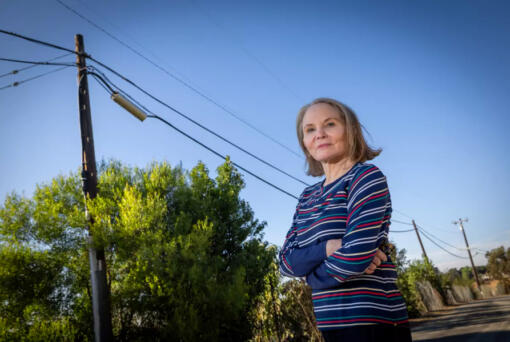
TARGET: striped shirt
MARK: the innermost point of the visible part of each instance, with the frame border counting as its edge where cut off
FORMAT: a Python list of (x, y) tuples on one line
[(357, 209)]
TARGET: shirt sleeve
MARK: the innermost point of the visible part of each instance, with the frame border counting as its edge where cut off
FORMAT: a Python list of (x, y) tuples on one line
[(369, 208), (298, 261)]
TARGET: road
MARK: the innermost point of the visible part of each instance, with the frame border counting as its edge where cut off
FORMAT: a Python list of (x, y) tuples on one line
[(486, 320)]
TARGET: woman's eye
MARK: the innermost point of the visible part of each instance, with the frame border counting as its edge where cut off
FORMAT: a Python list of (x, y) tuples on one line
[(330, 124), (309, 130)]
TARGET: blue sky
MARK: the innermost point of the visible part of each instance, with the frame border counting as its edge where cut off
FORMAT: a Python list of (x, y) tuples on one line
[(429, 81)]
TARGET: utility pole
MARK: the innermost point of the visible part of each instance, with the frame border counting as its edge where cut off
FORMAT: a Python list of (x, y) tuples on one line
[(100, 293), (421, 243), (459, 222)]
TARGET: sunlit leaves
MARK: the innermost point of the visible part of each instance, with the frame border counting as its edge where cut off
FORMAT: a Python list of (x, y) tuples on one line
[(185, 256)]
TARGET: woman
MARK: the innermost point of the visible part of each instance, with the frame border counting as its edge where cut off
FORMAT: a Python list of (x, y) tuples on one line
[(339, 228)]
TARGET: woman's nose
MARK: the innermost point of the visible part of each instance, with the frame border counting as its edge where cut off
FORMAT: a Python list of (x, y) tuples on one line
[(320, 133)]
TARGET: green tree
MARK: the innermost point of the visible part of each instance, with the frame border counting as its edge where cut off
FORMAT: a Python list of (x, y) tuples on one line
[(186, 257), (498, 263), (297, 312), (411, 272)]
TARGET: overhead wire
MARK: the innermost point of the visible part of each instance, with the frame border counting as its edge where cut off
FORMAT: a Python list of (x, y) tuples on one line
[(402, 213), (202, 126), (444, 242), (155, 116), (197, 123), (481, 250), (17, 71), (236, 42), (180, 80), (401, 222), (160, 102), (37, 41), (439, 246), (102, 82), (401, 231), (15, 84), (34, 63)]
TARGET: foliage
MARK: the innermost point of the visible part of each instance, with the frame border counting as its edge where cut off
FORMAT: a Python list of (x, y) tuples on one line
[(285, 310), (411, 272), (498, 263), (297, 317), (185, 256)]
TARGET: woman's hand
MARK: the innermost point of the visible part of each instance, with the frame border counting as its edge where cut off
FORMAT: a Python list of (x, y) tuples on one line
[(378, 259), (332, 246)]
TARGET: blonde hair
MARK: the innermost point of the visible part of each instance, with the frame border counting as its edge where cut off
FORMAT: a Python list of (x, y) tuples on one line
[(357, 148)]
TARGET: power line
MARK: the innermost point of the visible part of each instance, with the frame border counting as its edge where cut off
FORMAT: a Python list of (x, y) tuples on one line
[(446, 243), (160, 102), (37, 41), (154, 98), (223, 157), (34, 63), (15, 84), (248, 53), (109, 84), (481, 250), (401, 231), (402, 213), (202, 126), (447, 251), (155, 116), (102, 82), (401, 222), (17, 71), (180, 80), (443, 230)]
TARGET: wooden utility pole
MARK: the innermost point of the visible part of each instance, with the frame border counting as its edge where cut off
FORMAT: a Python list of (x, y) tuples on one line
[(459, 222), (100, 293), (421, 243)]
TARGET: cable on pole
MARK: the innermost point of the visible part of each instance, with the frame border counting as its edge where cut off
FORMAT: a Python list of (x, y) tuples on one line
[(155, 116), (198, 124), (401, 231), (159, 101), (180, 80), (402, 213), (15, 84), (444, 249), (34, 63), (37, 41), (222, 156), (248, 53), (17, 71), (446, 243), (401, 222)]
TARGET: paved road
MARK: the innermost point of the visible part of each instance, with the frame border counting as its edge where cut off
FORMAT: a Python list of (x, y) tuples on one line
[(486, 320)]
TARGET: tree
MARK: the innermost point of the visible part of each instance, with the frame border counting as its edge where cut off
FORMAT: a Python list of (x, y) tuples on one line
[(411, 272), (186, 257), (498, 263)]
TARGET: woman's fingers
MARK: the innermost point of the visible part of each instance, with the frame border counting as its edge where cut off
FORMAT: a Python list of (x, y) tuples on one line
[(379, 258), (380, 255), (371, 268)]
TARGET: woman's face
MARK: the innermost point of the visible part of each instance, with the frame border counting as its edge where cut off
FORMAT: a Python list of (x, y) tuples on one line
[(324, 133)]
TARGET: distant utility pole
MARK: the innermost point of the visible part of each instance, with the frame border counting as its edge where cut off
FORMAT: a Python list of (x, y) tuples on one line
[(421, 243), (459, 222), (100, 293)]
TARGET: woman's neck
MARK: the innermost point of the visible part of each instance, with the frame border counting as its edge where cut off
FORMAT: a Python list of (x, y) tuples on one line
[(333, 171)]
